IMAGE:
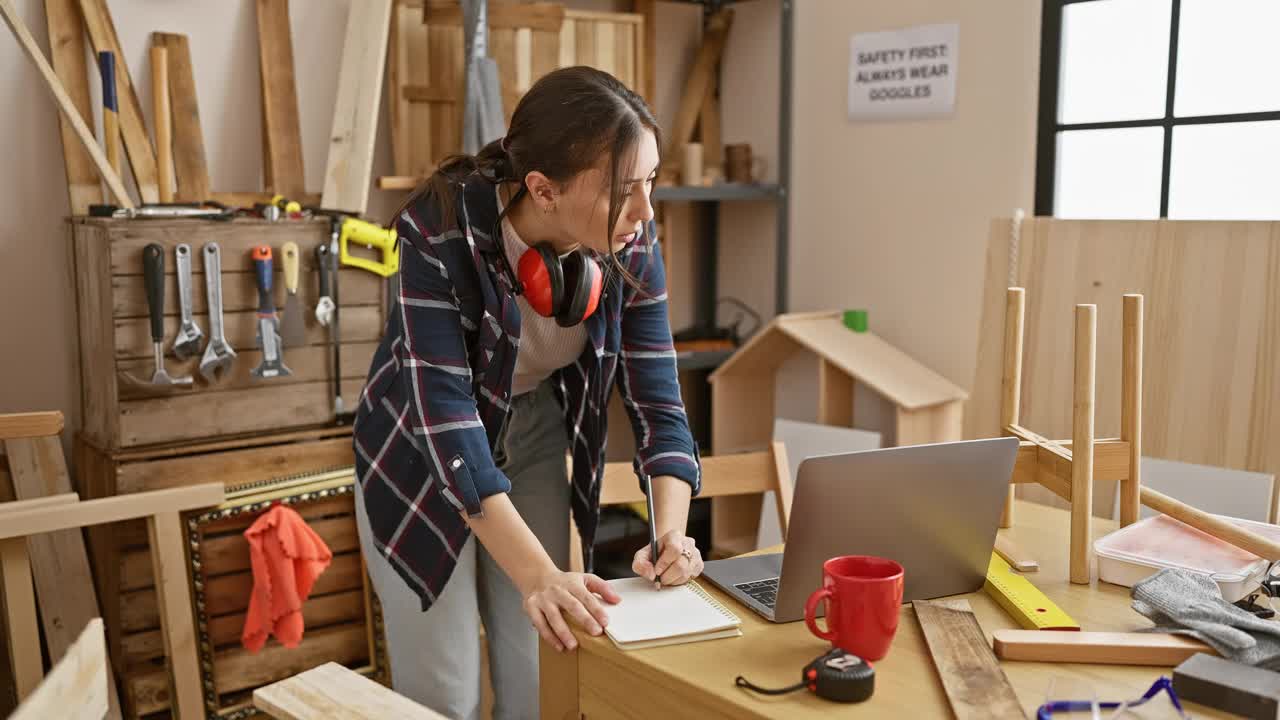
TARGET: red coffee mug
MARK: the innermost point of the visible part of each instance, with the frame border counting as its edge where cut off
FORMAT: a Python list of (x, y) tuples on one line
[(864, 597)]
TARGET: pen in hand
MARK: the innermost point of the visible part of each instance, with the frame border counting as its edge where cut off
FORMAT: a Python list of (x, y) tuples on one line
[(653, 530)]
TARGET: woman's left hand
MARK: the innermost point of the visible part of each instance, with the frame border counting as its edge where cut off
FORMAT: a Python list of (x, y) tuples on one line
[(679, 560)]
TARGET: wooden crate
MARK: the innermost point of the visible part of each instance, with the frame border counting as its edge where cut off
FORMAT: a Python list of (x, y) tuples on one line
[(115, 339), (527, 40), (121, 557)]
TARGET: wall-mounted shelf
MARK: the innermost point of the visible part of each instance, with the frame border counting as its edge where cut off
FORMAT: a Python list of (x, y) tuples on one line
[(716, 193)]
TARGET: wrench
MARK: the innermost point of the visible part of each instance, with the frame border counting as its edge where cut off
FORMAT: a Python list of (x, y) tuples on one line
[(218, 353), (187, 343)]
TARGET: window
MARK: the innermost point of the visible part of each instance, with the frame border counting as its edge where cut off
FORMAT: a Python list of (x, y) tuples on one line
[(1159, 108)]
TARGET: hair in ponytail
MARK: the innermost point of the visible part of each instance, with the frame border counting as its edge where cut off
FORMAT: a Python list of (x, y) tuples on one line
[(564, 124)]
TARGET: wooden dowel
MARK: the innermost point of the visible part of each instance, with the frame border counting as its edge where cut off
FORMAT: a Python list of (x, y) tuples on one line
[(1211, 524), (1082, 442), (1102, 648), (163, 120), (1011, 384), (1131, 408)]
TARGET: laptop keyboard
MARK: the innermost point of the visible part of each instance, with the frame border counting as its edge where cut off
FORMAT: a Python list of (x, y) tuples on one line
[(764, 591)]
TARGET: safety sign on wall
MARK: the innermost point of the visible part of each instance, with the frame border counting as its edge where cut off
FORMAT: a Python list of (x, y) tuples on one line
[(908, 73)]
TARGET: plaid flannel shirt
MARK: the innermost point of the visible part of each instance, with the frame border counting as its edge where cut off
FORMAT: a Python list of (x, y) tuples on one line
[(439, 387)]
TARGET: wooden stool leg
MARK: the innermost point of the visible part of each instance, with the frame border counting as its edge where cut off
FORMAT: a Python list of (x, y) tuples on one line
[(1011, 384), (1082, 442), (20, 614), (173, 595), (1131, 409)]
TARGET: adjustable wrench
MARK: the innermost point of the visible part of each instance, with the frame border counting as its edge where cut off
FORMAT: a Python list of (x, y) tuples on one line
[(218, 353), (187, 343)]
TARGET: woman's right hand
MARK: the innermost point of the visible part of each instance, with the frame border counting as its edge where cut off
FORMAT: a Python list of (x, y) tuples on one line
[(559, 593)]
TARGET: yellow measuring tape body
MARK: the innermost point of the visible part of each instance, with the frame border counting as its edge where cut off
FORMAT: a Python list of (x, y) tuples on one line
[(1023, 601)]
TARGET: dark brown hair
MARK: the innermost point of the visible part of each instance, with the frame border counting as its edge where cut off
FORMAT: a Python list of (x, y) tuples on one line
[(564, 124)]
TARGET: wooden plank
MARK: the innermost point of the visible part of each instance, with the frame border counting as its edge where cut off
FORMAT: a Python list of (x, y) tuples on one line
[(282, 129), (417, 68), (606, 47), (1011, 382), (568, 43), (64, 102), (709, 125), (133, 126), (502, 49), (237, 467), (162, 117), (173, 594), (228, 442), (647, 63), (543, 16), (195, 415), (30, 425), (249, 198), (584, 42), (784, 492), (309, 364), (1131, 408), (19, 505), (1085, 388), (348, 173), (76, 688), (544, 53), (59, 562), (835, 395), (727, 474), (188, 137), (237, 238), (402, 20), (444, 52), (524, 61), (240, 669), (240, 292), (113, 509), (20, 616), (1096, 648), (696, 84), (1053, 447), (1013, 554), (975, 685), (67, 51), (332, 688), (359, 324)]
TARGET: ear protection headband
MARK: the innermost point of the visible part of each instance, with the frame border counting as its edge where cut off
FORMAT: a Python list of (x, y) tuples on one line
[(566, 289)]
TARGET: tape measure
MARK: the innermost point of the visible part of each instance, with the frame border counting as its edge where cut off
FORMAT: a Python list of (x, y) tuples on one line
[(1023, 601)]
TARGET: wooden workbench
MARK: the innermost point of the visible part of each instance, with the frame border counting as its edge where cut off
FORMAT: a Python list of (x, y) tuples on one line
[(696, 680)]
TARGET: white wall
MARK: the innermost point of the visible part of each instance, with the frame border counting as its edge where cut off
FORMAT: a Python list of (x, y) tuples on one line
[(893, 216)]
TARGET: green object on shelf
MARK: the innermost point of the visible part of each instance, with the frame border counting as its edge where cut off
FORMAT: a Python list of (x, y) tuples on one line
[(856, 320)]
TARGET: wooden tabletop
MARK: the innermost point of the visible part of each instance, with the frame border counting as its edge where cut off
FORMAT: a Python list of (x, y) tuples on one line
[(698, 678)]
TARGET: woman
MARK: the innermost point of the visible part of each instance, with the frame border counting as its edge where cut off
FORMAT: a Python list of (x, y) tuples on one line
[(531, 283)]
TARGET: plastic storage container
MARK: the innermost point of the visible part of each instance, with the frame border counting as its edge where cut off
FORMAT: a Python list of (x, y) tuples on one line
[(1136, 552)]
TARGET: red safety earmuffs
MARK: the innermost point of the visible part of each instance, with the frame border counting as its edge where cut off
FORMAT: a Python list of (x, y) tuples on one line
[(567, 290)]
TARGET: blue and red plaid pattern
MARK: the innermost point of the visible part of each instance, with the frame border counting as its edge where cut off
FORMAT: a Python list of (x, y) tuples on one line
[(439, 389)]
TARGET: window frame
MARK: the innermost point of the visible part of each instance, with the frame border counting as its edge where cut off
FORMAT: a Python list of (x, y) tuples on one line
[(1048, 125)]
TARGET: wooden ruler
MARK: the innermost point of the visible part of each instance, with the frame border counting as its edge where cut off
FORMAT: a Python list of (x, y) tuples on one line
[(975, 685)]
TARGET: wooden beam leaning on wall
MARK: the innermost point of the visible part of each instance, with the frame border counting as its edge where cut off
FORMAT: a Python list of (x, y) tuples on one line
[(142, 157), (696, 87), (190, 168), (282, 166), (67, 50)]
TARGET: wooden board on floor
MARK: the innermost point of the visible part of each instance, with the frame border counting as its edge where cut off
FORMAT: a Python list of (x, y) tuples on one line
[(331, 688), (79, 686), (133, 126), (975, 685), (59, 562), (282, 129), (67, 51), (188, 138), (348, 175)]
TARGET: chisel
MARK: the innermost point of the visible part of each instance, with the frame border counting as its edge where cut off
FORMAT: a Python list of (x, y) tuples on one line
[(272, 364), (293, 331)]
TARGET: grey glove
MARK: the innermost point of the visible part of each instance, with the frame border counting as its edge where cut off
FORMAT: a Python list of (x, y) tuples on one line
[(1187, 603)]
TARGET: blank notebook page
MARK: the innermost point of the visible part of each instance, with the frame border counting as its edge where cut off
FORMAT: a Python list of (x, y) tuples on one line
[(649, 614)]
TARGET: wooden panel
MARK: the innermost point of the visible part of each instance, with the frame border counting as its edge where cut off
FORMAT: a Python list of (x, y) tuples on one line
[(29, 425), (107, 510), (236, 238), (584, 42), (835, 395), (559, 682), (238, 467), (240, 292), (173, 595), (359, 324), (332, 688), (67, 51), (502, 49), (648, 44), (143, 422), (697, 81), (348, 176), (97, 363), (78, 686), (444, 50), (624, 57), (970, 673), (59, 562), (20, 616), (282, 131), (606, 48), (545, 52), (545, 16), (188, 137), (133, 126), (1212, 308), (307, 363), (940, 423)]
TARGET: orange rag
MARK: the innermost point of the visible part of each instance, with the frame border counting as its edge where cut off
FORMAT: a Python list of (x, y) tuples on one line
[(287, 556)]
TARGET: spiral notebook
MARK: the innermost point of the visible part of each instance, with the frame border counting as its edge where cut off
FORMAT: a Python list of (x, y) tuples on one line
[(673, 615)]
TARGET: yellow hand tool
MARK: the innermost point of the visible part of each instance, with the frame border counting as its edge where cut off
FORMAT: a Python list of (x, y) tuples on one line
[(371, 236), (1023, 601)]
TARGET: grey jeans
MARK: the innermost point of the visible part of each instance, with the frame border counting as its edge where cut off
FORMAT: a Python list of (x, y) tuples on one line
[(435, 656)]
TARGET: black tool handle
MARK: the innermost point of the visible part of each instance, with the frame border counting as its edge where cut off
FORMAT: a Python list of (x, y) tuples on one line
[(153, 273), (322, 262)]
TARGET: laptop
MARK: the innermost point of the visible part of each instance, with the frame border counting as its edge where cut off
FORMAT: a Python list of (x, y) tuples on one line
[(932, 508)]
